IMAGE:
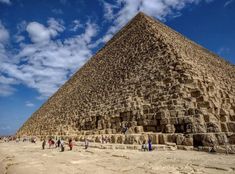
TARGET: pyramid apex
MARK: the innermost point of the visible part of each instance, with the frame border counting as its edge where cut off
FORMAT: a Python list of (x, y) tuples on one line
[(140, 15)]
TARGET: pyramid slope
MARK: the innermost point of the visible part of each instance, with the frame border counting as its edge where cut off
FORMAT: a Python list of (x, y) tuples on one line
[(150, 78)]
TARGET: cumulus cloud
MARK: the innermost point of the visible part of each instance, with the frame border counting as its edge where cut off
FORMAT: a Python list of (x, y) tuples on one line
[(8, 2), (42, 34), (45, 67)]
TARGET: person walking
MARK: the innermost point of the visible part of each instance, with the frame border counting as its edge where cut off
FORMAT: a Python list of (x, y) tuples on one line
[(150, 144), (62, 145), (43, 144), (70, 144), (86, 143)]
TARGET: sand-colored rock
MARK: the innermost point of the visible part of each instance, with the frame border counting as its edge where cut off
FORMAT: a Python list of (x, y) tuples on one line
[(151, 79)]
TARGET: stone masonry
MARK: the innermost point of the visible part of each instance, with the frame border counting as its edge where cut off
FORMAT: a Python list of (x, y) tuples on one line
[(153, 80)]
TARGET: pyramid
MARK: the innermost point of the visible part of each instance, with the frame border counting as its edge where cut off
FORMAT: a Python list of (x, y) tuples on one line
[(150, 79)]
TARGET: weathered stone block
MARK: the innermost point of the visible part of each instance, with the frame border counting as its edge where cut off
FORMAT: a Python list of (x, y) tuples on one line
[(179, 139), (213, 127), (231, 126), (224, 127), (188, 141)]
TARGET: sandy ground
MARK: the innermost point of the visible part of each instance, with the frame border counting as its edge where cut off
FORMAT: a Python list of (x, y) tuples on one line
[(24, 158)]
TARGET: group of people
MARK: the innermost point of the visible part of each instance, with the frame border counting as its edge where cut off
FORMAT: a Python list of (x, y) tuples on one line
[(147, 146), (58, 144), (61, 144)]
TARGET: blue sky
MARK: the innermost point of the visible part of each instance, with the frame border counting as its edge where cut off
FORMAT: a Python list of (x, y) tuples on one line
[(42, 43)]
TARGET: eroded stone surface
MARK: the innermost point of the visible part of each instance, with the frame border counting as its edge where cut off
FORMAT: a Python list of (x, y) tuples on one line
[(151, 79)]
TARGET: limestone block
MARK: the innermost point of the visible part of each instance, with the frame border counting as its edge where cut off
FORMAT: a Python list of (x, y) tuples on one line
[(222, 138), (224, 127), (171, 138), (223, 118), (154, 138), (231, 126), (162, 138), (188, 141), (196, 93), (231, 139), (179, 139), (198, 128), (120, 139), (169, 128), (164, 121), (138, 129), (210, 118), (232, 117), (113, 139), (213, 127), (204, 140)]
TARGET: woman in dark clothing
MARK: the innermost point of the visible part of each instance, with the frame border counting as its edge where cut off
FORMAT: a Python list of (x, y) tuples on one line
[(150, 144), (43, 144)]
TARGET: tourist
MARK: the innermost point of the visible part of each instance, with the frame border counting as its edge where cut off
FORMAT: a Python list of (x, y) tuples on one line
[(70, 144), (124, 129), (58, 143), (52, 143), (150, 144), (62, 145), (43, 144), (144, 146), (49, 142), (86, 143)]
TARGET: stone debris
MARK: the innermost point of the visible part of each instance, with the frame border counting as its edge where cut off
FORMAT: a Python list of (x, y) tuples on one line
[(152, 80)]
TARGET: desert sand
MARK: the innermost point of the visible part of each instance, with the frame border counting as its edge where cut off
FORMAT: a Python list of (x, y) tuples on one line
[(24, 158)]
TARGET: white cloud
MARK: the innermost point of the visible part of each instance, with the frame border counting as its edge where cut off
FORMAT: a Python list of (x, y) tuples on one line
[(4, 34), (8, 2), (45, 67), (227, 3), (29, 104), (19, 37), (6, 90), (41, 34), (109, 10), (76, 25)]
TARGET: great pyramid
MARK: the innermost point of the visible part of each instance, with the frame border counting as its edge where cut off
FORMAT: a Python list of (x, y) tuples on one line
[(151, 79)]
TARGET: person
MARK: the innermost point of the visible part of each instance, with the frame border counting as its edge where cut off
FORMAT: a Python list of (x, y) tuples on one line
[(144, 146), (62, 145), (53, 143), (102, 139), (70, 144), (150, 144), (86, 143), (43, 144), (124, 129), (58, 143), (50, 142)]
